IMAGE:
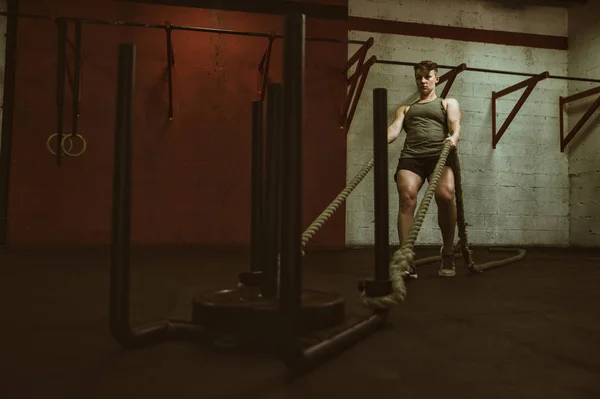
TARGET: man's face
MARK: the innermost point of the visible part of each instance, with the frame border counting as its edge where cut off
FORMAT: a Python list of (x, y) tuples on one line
[(426, 80)]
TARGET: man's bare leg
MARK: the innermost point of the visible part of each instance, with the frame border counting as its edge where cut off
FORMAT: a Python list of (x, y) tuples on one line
[(444, 198), (408, 184)]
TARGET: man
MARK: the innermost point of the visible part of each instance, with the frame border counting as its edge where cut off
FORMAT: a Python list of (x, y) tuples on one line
[(429, 122)]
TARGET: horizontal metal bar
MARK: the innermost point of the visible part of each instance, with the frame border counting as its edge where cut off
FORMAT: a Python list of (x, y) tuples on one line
[(178, 27), (335, 40), (312, 357), (311, 9), (30, 16), (379, 61)]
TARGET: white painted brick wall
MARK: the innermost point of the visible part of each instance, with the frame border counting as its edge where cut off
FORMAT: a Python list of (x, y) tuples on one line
[(584, 150), (490, 15), (515, 194)]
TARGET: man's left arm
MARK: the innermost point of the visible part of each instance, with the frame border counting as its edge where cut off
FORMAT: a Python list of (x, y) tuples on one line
[(453, 115)]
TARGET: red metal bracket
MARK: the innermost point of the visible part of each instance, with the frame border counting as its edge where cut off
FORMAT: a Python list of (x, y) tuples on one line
[(564, 141), (355, 83), (530, 84), (361, 84), (170, 63), (450, 76), (263, 66), (74, 77)]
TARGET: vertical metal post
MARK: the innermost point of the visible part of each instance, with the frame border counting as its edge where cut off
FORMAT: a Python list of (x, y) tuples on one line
[(273, 164), (561, 119), (77, 76), (61, 24), (8, 107), (494, 97), (121, 211), (291, 227), (170, 62), (382, 272), (120, 326), (257, 231)]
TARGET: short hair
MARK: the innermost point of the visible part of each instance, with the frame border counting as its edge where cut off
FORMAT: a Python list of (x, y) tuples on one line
[(427, 65)]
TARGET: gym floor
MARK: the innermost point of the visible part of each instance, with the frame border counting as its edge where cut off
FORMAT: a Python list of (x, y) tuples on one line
[(527, 330)]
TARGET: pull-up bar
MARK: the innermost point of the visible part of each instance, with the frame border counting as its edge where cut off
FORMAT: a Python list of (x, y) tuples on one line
[(172, 27), (530, 83), (472, 69)]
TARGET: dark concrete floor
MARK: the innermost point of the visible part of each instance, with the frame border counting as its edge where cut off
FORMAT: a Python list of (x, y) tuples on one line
[(527, 330)]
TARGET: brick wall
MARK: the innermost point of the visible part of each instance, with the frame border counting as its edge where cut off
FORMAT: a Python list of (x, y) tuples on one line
[(584, 150), (517, 193)]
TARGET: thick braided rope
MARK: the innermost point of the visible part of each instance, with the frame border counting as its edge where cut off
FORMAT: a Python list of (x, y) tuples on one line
[(326, 214), (402, 257), (460, 212), (462, 230), (335, 204)]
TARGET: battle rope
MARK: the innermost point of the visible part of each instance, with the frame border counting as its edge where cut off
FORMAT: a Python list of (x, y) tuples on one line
[(402, 257), (460, 215), (328, 212), (335, 204)]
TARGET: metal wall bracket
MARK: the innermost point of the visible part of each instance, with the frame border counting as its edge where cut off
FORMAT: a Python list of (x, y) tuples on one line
[(170, 63), (263, 66), (355, 83), (64, 75), (530, 84), (564, 141), (450, 76)]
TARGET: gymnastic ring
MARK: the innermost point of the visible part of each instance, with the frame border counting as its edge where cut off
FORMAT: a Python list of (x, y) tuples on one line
[(83, 146), (50, 148)]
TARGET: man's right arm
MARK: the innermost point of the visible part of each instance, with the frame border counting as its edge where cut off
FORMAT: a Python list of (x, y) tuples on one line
[(396, 127)]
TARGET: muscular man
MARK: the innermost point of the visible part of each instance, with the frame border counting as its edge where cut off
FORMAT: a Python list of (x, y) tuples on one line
[(428, 122)]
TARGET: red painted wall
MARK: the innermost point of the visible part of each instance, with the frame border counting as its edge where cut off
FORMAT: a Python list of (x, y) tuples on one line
[(191, 175)]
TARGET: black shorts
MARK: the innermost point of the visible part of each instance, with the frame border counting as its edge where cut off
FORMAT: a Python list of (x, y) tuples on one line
[(424, 167)]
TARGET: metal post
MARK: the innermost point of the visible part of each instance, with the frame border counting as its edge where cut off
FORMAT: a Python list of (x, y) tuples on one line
[(291, 227), (121, 216), (8, 107), (61, 25), (170, 62), (121, 211), (273, 161), (381, 285), (77, 77), (257, 231), (382, 272)]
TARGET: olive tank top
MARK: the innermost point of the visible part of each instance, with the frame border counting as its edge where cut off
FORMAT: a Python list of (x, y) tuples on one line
[(426, 128)]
